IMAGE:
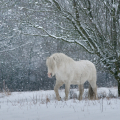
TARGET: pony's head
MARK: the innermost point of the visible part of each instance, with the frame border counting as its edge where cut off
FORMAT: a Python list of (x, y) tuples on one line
[(55, 61), (51, 65)]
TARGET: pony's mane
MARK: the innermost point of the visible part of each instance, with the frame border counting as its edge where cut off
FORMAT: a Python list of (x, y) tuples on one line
[(61, 58)]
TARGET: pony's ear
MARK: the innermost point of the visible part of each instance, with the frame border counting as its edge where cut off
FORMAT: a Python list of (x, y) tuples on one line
[(47, 58)]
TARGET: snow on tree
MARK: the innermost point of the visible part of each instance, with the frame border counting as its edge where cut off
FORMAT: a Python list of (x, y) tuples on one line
[(92, 24)]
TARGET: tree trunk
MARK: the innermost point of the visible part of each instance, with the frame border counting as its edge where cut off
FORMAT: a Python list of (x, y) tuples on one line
[(119, 88)]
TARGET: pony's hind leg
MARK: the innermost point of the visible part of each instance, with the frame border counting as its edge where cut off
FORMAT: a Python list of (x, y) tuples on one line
[(56, 87), (92, 90), (95, 92), (81, 91)]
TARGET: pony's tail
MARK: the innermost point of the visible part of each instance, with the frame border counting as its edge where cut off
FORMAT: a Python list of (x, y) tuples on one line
[(90, 93)]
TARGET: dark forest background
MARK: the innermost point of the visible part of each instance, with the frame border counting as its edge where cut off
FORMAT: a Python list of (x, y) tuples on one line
[(25, 46)]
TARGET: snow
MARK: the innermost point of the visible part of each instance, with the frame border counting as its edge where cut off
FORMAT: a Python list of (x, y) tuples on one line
[(42, 105)]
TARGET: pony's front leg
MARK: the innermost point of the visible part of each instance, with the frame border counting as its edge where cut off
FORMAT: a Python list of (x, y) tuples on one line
[(81, 91), (67, 87), (57, 85)]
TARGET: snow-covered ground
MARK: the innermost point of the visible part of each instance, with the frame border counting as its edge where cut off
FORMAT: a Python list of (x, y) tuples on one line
[(42, 105)]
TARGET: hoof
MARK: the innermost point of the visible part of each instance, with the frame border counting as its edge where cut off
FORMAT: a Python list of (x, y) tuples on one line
[(66, 99), (59, 99)]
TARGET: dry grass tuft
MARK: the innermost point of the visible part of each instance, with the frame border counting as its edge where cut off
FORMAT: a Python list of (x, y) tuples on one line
[(47, 100), (5, 91)]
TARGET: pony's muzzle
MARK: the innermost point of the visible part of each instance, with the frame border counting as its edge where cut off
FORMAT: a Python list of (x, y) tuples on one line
[(50, 75)]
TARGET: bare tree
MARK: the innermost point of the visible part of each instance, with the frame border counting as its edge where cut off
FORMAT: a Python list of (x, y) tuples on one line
[(92, 24)]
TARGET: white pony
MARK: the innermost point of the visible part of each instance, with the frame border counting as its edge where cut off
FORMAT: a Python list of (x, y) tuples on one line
[(67, 71)]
